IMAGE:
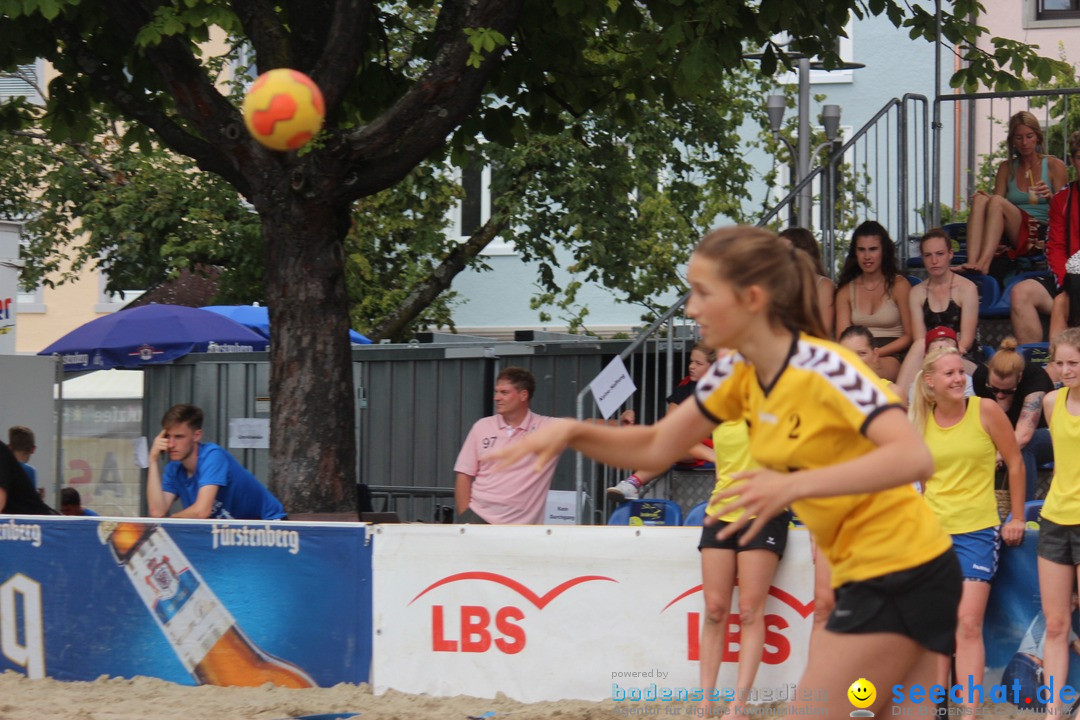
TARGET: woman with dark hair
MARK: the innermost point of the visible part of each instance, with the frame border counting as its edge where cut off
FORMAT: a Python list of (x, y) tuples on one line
[(873, 293), (803, 239), (1018, 209)]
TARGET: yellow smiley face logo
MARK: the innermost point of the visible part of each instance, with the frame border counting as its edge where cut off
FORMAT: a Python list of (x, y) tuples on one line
[(862, 693)]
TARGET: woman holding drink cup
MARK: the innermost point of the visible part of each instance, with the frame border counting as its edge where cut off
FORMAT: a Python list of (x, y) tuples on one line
[(1019, 207)]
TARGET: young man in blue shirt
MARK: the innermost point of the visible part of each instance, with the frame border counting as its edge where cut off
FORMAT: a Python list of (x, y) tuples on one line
[(209, 481)]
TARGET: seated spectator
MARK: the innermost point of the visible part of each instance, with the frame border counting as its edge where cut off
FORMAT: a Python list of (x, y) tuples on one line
[(23, 444), (631, 488), (207, 479), (937, 337), (803, 239), (1018, 209), (1034, 296), (1063, 248), (17, 495), (860, 341), (874, 294), (1018, 387), (946, 299), (71, 503)]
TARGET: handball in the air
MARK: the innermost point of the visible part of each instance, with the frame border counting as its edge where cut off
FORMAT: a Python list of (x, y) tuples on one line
[(283, 109)]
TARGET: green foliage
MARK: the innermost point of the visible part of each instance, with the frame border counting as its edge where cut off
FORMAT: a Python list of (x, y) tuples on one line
[(140, 216), (396, 240)]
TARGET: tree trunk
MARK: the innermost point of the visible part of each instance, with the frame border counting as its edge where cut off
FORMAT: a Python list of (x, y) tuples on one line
[(312, 412)]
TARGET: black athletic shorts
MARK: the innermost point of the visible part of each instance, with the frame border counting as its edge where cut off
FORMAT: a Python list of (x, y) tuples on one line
[(1058, 543), (920, 603), (771, 537)]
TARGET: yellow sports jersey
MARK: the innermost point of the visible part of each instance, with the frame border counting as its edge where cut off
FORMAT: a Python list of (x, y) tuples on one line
[(961, 490), (731, 441), (1063, 501), (813, 416)]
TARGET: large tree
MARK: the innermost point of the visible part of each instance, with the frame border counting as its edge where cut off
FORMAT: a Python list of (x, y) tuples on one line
[(401, 80)]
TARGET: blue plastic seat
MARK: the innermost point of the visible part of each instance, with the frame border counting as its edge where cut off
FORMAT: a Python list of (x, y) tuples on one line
[(647, 511), (914, 280), (1037, 353), (1003, 304), (1032, 508), (696, 516), (989, 291)]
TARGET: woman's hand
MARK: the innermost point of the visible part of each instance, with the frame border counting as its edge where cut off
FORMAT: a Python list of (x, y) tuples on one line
[(1042, 189), (1012, 532), (759, 492)]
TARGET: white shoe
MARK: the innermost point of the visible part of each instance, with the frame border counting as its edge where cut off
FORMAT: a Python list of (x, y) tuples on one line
[(625, 490)]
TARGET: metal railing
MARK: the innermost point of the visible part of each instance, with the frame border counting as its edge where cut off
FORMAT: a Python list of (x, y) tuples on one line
[(876, 173), (975, 125)]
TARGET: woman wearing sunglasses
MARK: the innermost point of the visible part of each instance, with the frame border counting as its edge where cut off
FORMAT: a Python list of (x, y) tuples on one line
[(1018, 387)]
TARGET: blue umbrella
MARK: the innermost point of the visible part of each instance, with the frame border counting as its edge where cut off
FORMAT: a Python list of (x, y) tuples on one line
[(257, 318), (151, 334)]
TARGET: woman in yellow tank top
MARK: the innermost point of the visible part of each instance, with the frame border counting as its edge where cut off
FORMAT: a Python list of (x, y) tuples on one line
[(723, 562), (965, 435), (831, 444), (1059, 530)]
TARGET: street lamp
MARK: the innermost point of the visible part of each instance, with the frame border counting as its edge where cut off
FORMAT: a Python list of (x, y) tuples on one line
[(830, 117), (775, 106)]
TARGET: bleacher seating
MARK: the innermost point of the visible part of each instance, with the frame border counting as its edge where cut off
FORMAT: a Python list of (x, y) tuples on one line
[(1037, 353), (989, 292), (1032, 509), (696, 516), (1001, 308), (647, 511)]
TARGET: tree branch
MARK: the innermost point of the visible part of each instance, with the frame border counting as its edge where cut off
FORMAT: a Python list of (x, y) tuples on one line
[(424, 292), (345, 46), (136, 106), (269, 38), (383, 152)]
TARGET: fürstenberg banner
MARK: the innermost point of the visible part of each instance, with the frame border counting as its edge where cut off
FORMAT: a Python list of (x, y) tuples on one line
[(552, 612)]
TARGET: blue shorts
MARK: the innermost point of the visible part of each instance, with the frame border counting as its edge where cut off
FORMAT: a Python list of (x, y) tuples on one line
[(978, 553)]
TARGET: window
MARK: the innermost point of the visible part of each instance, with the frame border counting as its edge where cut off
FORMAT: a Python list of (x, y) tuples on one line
[(475, 208), (24, 82), (27, 300), (1057, 9), (1051, 13), (112, 302)]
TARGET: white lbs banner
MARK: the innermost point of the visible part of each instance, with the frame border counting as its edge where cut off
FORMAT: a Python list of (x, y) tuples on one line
[(550, 612)]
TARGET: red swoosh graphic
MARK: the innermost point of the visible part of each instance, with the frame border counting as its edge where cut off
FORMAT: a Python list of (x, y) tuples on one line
[(539, 601), (804, 609)]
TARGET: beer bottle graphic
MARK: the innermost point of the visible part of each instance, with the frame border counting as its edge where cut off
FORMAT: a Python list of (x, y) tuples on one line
[(196, 623)]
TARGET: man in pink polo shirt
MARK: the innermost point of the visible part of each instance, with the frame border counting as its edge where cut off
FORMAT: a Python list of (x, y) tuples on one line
[(510, 496)]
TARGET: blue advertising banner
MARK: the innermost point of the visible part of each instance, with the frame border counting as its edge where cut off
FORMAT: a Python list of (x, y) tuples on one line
[(192, 602), (1014, 628)]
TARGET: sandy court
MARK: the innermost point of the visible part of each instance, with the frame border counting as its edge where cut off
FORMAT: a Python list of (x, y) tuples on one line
[(149, 698)]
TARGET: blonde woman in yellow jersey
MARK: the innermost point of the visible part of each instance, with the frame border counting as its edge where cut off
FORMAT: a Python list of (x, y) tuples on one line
[(725, 561), (965, 435), (832, 445), (1059, 530)]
